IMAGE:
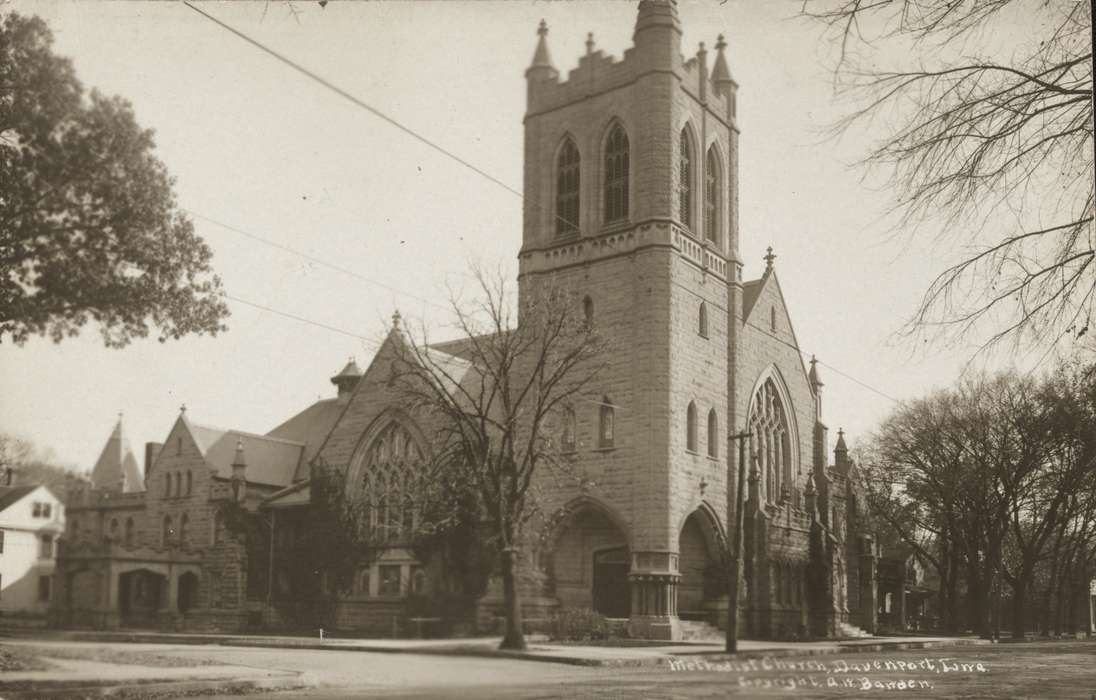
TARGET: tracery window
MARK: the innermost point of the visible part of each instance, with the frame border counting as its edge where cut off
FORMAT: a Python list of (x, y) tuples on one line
[(712, 187), (770, 442), (685, 180), (616, 175), (390, 470), (567, 189)]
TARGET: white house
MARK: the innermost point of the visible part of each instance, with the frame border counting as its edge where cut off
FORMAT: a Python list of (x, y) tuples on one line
[(32, 519)]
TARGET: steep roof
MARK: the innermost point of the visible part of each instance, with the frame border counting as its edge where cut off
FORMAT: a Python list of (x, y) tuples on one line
[(270, 460), (295, 496), (750, 291), (10, 495), (310, 427), (117, 467)]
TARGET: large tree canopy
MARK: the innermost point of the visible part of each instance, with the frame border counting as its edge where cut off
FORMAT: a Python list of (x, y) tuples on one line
[(89, 228), (986, 122)]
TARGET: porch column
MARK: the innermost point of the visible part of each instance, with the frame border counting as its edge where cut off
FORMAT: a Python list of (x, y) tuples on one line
[(653, 580)]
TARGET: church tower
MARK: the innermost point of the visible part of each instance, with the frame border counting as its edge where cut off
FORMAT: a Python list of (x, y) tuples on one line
[(630, 185)]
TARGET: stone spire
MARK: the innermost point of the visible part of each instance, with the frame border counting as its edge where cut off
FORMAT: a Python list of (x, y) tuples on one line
[(721, 74), (117, 468), (841, 454), (542, 62), (816, 380)]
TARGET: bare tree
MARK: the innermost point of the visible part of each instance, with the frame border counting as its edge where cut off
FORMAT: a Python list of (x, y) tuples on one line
[(498, 394), (989, 142)]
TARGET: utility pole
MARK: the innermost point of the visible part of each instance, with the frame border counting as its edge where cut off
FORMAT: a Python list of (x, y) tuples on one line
[(734, 545)]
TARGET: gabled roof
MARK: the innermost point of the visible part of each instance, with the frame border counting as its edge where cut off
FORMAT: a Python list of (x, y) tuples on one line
[(750, 291), (10, 495), (270, 460), (310, 427), (116, 467)]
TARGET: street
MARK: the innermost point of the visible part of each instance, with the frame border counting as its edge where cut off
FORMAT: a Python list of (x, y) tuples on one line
[(1027, 670)]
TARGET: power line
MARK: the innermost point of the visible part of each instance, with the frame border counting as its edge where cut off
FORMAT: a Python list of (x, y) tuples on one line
[(302, 319), (369, 108), (312, 258), (354, 100)]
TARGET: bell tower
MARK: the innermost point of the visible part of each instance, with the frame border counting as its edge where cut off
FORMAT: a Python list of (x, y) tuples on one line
[(630, 187)]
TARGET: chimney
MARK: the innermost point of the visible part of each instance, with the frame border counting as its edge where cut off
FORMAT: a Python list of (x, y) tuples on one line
[(152, 451)]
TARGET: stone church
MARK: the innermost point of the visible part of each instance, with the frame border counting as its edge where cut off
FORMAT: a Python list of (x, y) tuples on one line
[(631, 201)]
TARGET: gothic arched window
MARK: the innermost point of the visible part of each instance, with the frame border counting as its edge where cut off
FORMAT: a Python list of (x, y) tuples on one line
[(712, 187), (168, 531), (606, 427), (685, 179), (713, 434), (588, 310), (390, 468), (567, 189), (567, 438), (702, 322), (616, 175), (690, 427), (771, 442)]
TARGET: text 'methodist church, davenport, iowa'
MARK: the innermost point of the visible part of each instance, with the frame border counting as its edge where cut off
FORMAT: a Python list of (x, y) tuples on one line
[(631, 201)]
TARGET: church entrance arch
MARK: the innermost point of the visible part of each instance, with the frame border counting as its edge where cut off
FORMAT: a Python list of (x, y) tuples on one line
[(610, 582), (589, 562), (141, 594), (699, 550)]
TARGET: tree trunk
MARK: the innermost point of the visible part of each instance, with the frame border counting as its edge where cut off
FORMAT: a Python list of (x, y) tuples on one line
[(1019, 601), (513, 638)]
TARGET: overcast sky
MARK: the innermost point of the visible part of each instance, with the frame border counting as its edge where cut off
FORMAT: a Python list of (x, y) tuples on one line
[(262, 148)]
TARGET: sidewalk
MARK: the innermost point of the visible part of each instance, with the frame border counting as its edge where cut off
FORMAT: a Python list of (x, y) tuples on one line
[(538, 650)]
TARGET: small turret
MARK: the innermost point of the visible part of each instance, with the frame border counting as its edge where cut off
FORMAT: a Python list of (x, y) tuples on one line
[(841, 454), (239, 472), (541, 67), (658, 33), (721, 77), (347, 379)]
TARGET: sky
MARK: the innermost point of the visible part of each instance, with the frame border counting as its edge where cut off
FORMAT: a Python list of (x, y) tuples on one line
[(266, 151)]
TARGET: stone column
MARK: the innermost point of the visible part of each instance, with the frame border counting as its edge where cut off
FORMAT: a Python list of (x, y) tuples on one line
[(869, 604), (653, 580)]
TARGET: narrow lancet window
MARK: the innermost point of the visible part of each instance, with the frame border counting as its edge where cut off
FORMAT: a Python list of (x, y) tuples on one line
[(567, 189)]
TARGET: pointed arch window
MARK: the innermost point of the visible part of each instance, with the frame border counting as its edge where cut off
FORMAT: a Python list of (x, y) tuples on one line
[(168, 531), (702, 321), (690, 427), (713, 434), (685, 179), (183, 523), (616, 175), (606, 424), (712, 189), (391, 468), (588, 310), (567, 189), (567, 438), (771, 442)]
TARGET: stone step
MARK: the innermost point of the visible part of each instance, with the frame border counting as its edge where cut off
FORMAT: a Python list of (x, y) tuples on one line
[(847, 631), (695, 630)]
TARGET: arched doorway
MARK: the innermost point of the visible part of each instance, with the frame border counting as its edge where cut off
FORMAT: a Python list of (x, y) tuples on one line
[(140, 596), (188, 591), (590, 561), (701, 582)]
